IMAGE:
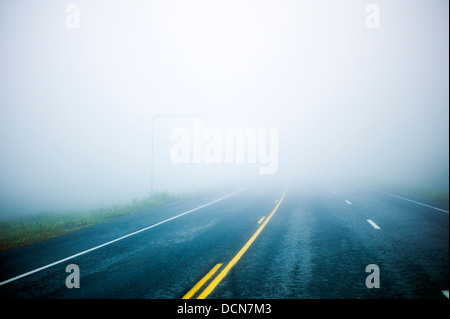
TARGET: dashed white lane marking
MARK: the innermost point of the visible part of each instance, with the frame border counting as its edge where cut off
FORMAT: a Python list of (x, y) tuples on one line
[(348, 202), (373, 224), (445, 293)]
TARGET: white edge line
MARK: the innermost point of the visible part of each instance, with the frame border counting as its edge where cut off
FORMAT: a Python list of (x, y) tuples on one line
[(117, 239), (373, 224), (407, 199), (413, 201)]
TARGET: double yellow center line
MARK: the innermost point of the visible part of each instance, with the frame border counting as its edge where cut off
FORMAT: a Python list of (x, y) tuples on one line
[(230, 265)]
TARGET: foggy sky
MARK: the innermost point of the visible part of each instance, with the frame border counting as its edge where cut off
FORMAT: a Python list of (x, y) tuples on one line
[(348, 101)]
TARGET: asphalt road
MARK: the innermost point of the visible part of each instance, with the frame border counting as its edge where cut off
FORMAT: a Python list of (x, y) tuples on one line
[(313, 242)]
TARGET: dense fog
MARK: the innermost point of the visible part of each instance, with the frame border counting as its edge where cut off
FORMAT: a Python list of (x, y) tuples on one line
[(106, 101)]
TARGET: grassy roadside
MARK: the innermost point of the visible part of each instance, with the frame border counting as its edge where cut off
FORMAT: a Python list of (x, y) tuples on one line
[(37, 228)]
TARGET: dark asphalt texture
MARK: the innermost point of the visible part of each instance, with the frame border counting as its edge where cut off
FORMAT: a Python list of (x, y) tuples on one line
[(316, 246)]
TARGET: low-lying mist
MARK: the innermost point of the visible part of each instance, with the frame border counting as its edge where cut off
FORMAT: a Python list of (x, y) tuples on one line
[(104, 102)]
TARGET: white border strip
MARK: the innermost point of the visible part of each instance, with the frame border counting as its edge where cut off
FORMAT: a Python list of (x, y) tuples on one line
[(413, 201), (117, 239), (407, 199)]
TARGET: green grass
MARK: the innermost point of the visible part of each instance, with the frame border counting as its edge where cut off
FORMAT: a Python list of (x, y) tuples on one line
[(37, 228)]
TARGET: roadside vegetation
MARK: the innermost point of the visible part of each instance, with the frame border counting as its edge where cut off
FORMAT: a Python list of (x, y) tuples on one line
[(37, 228)]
